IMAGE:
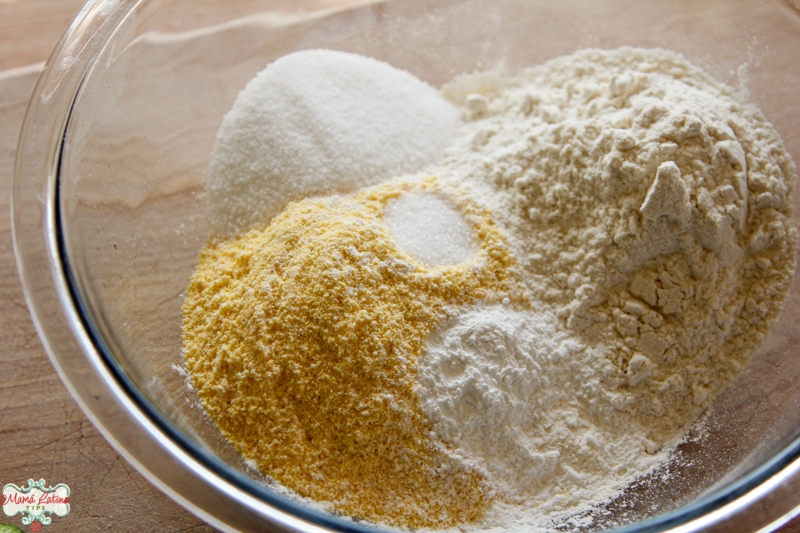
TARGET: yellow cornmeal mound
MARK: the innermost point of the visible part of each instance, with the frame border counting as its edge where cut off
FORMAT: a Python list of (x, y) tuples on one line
[(302, 340)]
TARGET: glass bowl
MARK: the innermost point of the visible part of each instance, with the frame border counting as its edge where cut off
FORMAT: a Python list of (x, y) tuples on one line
[(109, 219)]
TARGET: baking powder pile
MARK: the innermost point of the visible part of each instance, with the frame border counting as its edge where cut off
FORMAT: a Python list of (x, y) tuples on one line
[(608, 238)]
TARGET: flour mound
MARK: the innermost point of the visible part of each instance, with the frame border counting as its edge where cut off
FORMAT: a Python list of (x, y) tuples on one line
[(319, 122), (652, 213)]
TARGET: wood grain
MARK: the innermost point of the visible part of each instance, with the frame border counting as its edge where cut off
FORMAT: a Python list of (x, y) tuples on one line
[(29, 29), (43, 434)]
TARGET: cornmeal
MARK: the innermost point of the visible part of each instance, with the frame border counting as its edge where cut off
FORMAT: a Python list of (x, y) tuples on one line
[(302, 340)]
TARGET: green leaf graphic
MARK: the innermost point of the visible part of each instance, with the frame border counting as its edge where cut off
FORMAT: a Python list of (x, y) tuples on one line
[(8, 528)]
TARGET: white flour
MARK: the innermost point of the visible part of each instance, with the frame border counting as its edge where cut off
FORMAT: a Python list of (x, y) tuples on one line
[(652, 214)]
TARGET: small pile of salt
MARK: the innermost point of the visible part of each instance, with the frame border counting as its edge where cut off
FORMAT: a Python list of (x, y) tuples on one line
[(430, 230), (319, 122)]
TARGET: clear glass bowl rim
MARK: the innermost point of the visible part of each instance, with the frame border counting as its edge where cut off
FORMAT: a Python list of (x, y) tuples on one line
[(57, 307)]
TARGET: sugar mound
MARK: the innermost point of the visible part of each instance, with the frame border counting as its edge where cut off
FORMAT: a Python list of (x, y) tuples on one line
[(430, 229), (320, 122)]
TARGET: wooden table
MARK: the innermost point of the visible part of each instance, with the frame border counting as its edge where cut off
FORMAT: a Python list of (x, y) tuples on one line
[(43, 433)]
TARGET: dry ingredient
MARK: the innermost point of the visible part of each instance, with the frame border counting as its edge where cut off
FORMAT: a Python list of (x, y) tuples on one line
[(302, 340), (608, 239), (652, 213), (318, 122)]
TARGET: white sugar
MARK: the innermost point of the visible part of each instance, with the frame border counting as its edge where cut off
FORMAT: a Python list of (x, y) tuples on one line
[(319, 122), (429, 229)]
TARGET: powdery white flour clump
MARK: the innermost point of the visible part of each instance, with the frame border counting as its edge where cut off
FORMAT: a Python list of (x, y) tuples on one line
[(652, 213), (319, 122), (510, 387)]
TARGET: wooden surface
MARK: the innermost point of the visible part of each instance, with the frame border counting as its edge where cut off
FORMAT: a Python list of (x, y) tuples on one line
[(43, 434)]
